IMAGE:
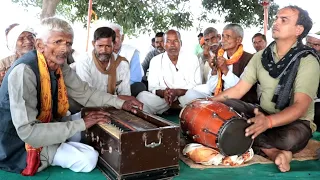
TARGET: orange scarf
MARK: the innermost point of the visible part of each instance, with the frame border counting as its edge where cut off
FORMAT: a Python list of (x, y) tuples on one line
[(235, 58), (45, 116)]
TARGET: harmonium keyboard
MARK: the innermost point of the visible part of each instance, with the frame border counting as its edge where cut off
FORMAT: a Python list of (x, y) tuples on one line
[(135, 146)]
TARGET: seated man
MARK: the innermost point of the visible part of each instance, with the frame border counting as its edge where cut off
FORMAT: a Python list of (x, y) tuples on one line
[(103, 69), (158, 50), (211, 39), (227, 68), (20, 40), (33, 98), (133, 56), (259, 41), (313, 40), (289, 74), (171, 74)]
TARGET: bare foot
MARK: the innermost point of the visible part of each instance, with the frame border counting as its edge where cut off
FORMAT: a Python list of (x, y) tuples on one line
[(282, 160)]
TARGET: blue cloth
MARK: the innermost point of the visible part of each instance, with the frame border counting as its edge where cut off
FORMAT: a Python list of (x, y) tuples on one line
[(135, 68)]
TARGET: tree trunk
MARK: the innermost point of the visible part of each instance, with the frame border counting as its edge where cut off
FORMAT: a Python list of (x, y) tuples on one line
[(49, 8)]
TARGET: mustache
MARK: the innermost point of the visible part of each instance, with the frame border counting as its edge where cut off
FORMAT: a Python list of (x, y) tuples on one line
[(64, 55)]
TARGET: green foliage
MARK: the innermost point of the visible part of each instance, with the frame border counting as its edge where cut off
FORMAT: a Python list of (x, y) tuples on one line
[(136, 16), (245, 12), (150, 16)]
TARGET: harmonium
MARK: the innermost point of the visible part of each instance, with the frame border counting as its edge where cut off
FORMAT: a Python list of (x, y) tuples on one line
[(135, 146)]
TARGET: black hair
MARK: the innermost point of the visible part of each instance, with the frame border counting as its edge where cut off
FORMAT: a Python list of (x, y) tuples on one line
[(159, 34), (303, 20), (259, 34), (200, 35), (104, 32)]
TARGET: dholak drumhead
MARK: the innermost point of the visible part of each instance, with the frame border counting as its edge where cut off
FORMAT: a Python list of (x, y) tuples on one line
[(232, 139)]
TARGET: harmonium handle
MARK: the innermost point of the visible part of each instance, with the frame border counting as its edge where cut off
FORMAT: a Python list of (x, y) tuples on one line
[(153, 144)]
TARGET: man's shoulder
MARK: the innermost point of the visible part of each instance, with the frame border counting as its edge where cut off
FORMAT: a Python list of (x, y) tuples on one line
[(188, 56), (127, 47), (153, 53), (247, 55), (156, 60), (122, 59)]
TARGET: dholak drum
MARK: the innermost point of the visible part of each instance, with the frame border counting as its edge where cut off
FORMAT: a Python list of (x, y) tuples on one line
[(216, 125)]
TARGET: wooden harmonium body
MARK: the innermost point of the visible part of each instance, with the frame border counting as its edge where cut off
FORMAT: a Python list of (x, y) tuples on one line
[(135, 146)]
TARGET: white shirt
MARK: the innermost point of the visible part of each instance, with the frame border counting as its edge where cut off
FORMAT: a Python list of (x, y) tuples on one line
[(87, 71), (163, 73), (230, 80)]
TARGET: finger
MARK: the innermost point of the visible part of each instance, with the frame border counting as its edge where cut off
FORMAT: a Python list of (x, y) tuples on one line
[(257, 112), (103, 113), (255, 131), (250, 129), (133, 110), (251, 120), (256, 134)]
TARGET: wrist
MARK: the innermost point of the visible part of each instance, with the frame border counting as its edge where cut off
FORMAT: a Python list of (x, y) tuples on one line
[(270, 124)]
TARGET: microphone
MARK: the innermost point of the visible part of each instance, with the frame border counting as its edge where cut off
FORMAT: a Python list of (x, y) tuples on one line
[(177, 69)]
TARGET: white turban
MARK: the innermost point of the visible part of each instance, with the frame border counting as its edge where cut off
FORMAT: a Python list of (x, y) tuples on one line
[(315, 35), (14, 34)]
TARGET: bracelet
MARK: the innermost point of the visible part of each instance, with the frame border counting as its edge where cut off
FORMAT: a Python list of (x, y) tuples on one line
[(270, 121)]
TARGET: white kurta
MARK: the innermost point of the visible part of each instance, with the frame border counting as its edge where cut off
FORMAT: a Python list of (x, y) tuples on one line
[(164, 74), (87, 71), (206, 90)]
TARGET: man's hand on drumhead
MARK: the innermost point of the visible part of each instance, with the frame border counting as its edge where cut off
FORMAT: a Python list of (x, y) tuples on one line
[(132, 105), (259, 124), (95, 117)]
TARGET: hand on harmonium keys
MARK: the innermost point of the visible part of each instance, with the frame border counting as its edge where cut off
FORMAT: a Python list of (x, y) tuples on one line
[(95, 117), (132, 105)]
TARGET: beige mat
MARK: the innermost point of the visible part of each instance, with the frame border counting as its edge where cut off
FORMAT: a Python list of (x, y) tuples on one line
[(308, 153)]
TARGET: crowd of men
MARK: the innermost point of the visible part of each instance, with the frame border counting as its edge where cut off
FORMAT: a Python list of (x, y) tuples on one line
[(44, 78)]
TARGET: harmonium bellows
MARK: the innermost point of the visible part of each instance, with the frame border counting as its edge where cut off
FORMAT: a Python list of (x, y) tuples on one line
[(135, 146)]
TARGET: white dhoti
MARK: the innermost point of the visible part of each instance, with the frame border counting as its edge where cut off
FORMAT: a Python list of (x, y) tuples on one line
[(152, 103), (76, 156), (200, 91)]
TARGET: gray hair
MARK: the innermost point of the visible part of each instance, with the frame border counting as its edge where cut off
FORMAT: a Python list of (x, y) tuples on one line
[(115, 27), (172, 30), (236, 28), (210, 30), (50, 24)]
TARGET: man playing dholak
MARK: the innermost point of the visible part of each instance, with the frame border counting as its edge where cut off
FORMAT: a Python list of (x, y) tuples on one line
[(226, 70), (289, 74), (103, 69), (34, 98)]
